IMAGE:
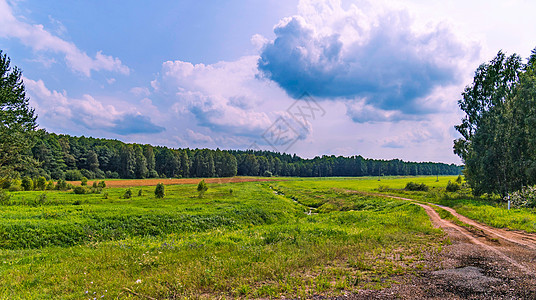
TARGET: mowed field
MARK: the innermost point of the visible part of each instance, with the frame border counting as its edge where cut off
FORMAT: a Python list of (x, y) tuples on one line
[(174, 181), (252, 239)]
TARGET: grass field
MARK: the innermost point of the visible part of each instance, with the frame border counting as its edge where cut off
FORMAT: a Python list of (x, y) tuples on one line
[(239, 239), (297, 237)]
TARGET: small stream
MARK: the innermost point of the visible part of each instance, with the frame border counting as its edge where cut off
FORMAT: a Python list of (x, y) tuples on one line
[(280, 193)]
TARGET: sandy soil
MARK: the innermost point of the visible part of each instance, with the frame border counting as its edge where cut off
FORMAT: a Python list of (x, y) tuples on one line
[(166, 181), (487, 263)]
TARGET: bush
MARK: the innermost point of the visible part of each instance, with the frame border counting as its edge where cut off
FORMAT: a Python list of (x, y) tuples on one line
[(159, 191), (102, 184), (113, 175), (27, 183), (83, 181), (127, 194), (140, 193), (87, 173), (6, 183), (62, 185), (5, 198), (80, 190), (57, 174), (73, 175), (524, 198), (452, 187), (153, 174), (95, 184), (267, 173), (459, 179), (202, 188), (99, 174), (412, 186), (50, 185), (41, 183)]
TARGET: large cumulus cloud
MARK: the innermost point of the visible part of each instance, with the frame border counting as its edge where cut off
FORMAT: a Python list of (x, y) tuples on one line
[(335, 53)]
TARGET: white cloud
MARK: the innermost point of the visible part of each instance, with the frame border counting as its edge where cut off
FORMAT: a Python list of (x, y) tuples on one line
[(58, 111), (375, 55), (39, 39)]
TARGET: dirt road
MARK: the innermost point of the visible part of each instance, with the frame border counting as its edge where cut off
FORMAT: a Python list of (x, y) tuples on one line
[(481, 263)]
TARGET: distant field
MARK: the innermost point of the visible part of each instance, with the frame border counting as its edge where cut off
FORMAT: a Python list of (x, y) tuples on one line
[(173, 181), (242, 239)]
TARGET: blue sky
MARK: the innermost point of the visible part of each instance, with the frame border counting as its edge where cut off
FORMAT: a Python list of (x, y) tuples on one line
[(382, 78)]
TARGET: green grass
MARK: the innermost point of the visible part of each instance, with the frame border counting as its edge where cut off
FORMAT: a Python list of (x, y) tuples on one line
[(250, 243)]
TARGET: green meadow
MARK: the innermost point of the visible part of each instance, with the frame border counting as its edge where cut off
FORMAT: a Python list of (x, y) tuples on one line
[(296, 238)]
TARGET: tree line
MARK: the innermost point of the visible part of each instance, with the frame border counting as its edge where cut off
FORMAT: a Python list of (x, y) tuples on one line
[(61, 156)]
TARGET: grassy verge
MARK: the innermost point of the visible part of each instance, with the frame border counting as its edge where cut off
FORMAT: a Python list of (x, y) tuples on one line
[(249, 242)]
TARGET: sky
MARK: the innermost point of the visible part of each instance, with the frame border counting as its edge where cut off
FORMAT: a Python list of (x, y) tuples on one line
[(379, 79)]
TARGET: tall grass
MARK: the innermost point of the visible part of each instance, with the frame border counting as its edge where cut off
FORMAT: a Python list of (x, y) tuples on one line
[(250, 243)]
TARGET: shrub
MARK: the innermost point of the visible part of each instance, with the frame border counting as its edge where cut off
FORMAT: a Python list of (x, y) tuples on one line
[(6, 183), (95, 184), (267, 173), (105, 196), (159, 191), (202, 188), (524, 198), (127, 194), (83, 181), (113, 175), (452, 187), (80, 190), (57, 174), (5, 198), (50, 185), (412, 186), (140, 193), (102, 184), (41, 199), (73, 175), (61, 185), (27, 183), (459, 179), (87, 173), (153, 174), (41, 183), (99, 174)]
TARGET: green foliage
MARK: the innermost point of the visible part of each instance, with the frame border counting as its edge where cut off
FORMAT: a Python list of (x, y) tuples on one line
[(498, 129), (524, 198), (79, 190), (5, 183), (140, 193), (412, 186), (5, 198), (127, 194), (452, 187), (61, 185), (95, 185), (41, 183), (202, 187), (159, 191), (267, 174), (459, 180), (17, 120), (27, 183), (102, 184), (83, 181), (73, 175)]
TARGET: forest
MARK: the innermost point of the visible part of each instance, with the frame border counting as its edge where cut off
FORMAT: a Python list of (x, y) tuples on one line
[(58, 156)]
